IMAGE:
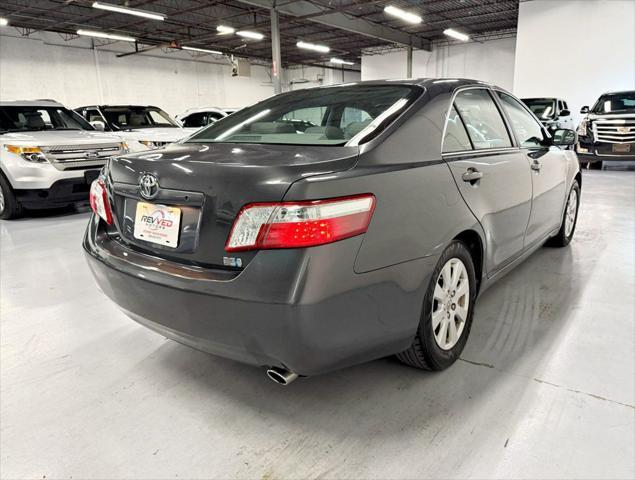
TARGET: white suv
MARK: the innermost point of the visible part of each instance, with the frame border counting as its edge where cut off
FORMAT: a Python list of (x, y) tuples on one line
[(49, 156), (143, 127)]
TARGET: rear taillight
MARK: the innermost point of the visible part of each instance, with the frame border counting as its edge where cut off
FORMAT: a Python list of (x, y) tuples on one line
[(300, 224), (99, 200)]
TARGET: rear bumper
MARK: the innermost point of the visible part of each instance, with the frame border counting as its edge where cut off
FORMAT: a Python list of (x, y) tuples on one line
[(60, 193), (304, 310)]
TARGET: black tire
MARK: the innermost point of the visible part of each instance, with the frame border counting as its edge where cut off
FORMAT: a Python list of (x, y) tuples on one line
[(595, 165), (562, 239), (12, 208), (425, 353)]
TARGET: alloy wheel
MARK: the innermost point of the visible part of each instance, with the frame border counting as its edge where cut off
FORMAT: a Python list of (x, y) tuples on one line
[(450, 303), (571, 212)]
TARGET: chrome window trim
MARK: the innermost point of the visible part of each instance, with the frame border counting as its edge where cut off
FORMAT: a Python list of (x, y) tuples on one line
[(485, 151)]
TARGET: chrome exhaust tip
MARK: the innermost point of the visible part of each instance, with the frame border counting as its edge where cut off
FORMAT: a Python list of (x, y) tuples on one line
[(281, 376)]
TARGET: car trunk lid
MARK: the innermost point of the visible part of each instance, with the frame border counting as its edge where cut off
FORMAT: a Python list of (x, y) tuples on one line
[(209, 184)]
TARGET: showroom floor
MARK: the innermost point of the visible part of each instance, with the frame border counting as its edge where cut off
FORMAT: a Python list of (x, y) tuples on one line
[(545, 388)]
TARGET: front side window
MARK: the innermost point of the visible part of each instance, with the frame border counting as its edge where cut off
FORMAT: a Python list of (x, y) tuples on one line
[(93, 116), (132, 117), (195, 120), (482, 119), (456, 138), (21, 119), (528, 131), (543, 108), (214, 117), (325, 116)]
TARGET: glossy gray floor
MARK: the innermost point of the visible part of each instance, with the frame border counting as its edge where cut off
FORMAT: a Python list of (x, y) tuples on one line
[(545, 387)]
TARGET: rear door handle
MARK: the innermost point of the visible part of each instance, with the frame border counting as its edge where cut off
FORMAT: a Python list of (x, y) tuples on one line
[(472, 175)]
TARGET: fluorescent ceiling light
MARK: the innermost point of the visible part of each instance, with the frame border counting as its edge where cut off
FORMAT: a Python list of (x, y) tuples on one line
[(203, 50), (454, 34), (250, 34), (3, 22), (341, 62), (314, 47), (111, 36), (129, 11), (225, 30), (402, 14)]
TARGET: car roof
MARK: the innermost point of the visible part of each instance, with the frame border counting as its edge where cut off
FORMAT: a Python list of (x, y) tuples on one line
[(131, 105), (31, 103), (439, 84), (202, 109), (617, 92)]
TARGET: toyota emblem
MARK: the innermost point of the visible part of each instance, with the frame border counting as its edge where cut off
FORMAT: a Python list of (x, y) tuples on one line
[(148, 186)]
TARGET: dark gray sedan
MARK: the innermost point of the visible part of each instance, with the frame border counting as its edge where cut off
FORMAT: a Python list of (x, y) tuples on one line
[(368, 234)]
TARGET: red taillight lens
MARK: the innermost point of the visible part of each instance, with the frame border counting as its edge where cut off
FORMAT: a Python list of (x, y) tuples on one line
[(99, 200), (300, 224)]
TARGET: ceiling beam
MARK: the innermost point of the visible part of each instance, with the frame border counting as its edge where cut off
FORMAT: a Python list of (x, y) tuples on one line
[(336, 19)]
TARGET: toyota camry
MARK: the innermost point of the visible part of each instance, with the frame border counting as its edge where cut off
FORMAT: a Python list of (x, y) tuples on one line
[(370, 233)]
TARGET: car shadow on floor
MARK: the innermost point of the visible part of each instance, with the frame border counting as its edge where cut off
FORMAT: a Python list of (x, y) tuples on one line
[(30, 214), (516, 322)]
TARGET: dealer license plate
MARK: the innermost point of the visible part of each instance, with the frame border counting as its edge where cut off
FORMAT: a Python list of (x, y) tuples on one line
[(621, 147), (157, 224)]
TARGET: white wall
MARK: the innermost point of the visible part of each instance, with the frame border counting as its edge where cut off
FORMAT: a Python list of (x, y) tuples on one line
[(491, 61), (575, 49), (46, 66), (316, 76)]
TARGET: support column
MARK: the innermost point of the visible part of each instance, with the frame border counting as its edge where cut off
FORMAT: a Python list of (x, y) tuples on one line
[(276, 56), (409, 62)]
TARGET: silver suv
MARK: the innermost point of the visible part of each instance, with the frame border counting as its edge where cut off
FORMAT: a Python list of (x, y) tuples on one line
[(49, 156)]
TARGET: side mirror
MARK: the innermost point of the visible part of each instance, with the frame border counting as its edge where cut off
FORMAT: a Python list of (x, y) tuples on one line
[(584, 109), (564, 137), (98, 125), (565, 113)]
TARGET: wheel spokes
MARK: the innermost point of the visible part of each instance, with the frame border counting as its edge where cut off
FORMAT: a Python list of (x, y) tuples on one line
[(443, 332), (437, 318), (450, 303), (453, 335), (439, 294)]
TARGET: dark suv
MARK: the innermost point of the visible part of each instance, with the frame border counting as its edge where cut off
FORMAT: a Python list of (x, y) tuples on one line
[(607, 132)]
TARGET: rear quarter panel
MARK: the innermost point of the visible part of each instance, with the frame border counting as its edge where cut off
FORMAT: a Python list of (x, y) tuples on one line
[(419, 209)]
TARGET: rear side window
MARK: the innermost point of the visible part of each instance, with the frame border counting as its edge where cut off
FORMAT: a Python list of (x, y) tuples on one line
[(456, 138), (528, 131), (483, 121)]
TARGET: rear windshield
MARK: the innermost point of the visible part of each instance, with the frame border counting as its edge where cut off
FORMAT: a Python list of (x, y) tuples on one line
[(615, 102), (130, 117), (323, 116), (30, 119), (541, 107)]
